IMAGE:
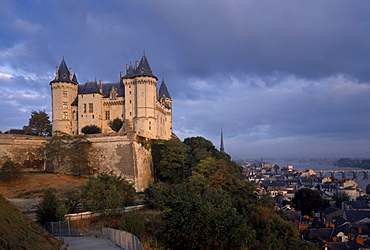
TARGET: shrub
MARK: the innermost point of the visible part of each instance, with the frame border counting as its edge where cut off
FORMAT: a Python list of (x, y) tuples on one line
[(10, 171), (91, 129)]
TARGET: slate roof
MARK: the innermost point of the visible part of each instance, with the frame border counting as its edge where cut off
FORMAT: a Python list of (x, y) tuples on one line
[(90, 87), (361, 204), (107, 87), (64, 74), (355, 215), (143, 69), (163, 91)]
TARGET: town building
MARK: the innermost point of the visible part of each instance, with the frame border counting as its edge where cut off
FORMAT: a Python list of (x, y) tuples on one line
[(135, 99)]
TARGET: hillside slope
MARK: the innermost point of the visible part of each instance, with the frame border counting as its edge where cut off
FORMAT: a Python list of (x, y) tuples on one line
[(19, 232)]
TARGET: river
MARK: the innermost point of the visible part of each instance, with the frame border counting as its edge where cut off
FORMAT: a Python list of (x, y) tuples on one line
[(304, 165)]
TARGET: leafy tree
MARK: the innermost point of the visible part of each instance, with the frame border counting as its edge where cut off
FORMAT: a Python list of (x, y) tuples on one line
[(368, 189), (69, 153), (339, 198), (71, 198), (116, 124), (195, 222), (308, 201), (39, 124), (10, 171), (173, 165), (107, 191), (91, 129), (78, 149), (50, 208), (131, 222)]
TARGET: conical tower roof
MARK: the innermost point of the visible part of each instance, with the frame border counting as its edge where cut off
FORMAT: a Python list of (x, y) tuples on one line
[(163, 91), (63, 74), (143, 68)]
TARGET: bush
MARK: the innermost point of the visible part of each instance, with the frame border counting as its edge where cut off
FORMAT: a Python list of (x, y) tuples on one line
[(116, 124), (91, 129), (10, 171), (50, 208)]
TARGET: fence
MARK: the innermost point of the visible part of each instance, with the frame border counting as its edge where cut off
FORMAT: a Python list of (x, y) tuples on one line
[(123, 239)]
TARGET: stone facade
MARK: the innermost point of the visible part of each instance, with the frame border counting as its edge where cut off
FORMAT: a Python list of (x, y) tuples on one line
[(135, 99)]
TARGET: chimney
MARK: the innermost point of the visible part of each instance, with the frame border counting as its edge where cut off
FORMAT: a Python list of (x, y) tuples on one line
[(359, 239), (136, 65), (359, 230), (56, 72), (121, 73), (70, 74), (101, 86), (126, 67)]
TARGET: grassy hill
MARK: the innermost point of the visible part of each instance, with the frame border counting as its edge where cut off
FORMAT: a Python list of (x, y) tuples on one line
[(33, 184), (19, 232)]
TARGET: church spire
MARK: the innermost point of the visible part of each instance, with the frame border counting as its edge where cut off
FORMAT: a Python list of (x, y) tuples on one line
[(222, 148)]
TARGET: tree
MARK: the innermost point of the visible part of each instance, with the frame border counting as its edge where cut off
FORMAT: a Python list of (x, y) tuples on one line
[(173, 164), (308, 201), (116, 124), (50, 208), (339, 198), (39, 124), (91, 129), (69, 153), (368, 189), (72, 198), (10, 171), (107, 191)]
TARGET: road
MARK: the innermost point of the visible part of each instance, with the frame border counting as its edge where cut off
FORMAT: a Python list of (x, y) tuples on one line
[(88, 243)]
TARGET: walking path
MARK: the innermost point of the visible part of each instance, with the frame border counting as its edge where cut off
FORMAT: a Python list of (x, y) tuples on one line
[(88, 243)]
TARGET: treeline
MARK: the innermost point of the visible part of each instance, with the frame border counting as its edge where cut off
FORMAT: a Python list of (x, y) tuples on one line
[(353, 163), (207, 204)]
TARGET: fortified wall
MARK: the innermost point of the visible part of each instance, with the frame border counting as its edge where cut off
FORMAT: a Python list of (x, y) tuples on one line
[(119, 154)]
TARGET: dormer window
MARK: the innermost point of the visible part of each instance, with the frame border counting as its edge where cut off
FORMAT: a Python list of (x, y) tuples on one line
[(113, 93)]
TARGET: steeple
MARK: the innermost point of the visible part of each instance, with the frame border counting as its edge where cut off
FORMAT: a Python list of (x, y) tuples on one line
[(163, 91), (222, 148)]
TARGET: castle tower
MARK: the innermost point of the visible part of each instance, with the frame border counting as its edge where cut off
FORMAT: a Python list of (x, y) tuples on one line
[(64, 90), (140, 98), (165, 124)]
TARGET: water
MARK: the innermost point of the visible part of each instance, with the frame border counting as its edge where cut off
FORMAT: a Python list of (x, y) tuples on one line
[(304, 165)]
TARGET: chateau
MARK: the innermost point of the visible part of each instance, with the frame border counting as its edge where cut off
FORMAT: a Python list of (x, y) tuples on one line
[(135, 98)]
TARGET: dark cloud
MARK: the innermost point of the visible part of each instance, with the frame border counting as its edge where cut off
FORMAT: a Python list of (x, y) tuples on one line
[(281, 77)]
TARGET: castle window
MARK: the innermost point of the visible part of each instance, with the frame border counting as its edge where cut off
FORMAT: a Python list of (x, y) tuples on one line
[(65, 105), (91, 108), (84, 107), (65, 116), (107, 115), (130, 114), (130, 101), (65, 94), (150, 127), (93, 116)]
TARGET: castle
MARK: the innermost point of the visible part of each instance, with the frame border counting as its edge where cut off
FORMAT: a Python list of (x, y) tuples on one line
[(135, 99)]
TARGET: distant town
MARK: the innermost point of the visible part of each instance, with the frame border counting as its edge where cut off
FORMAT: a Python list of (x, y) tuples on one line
[(342, 223)]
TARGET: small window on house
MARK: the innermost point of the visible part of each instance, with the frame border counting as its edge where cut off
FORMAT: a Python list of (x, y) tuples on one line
[(65, 105), (91, 108), (93, 116), (107, 115), (65, 116), (84, 107), (150, 127), (65, 94)]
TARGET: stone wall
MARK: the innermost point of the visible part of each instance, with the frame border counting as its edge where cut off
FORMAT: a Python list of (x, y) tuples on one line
[(24, 149), (114, 153)]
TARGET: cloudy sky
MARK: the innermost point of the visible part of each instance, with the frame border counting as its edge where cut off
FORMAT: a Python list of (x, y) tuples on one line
[(282, 78)]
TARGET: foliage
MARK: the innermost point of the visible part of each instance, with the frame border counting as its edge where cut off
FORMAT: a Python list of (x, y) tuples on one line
[(131, 222), (208, 204), (308, 201), (107, 191), (339, 198), (71, 199), (50, 208), (91, 129), (10, 171), (39, 124), (116, 124), (173, 165), (198, 223), (353, 163), (70, 152)]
